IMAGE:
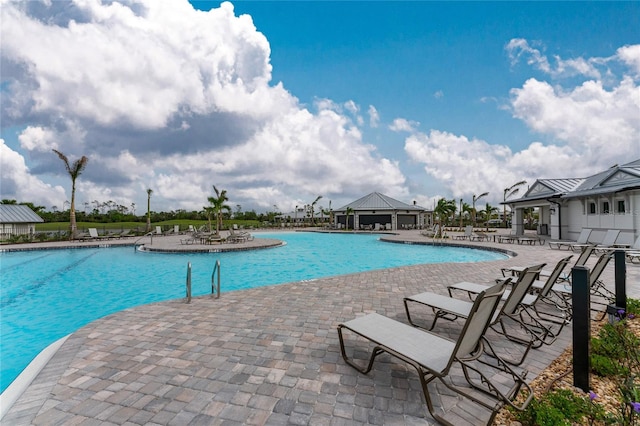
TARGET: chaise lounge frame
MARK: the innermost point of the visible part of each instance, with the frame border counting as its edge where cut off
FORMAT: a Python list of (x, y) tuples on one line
[(433, 356)]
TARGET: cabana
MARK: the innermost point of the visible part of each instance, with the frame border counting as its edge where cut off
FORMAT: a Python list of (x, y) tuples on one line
[(377, 211)]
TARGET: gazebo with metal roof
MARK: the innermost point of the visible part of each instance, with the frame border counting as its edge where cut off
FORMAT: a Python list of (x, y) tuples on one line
[(377, 211), (607, 200)]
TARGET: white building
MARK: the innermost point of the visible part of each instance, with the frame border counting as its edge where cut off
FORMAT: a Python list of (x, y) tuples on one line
[(17, 219), (607, 200)]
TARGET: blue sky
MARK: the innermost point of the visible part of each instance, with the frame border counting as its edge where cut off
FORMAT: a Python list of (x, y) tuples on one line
[(417, 100)]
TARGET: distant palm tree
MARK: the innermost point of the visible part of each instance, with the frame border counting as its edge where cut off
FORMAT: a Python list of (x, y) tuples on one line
[(488, 212), (217, 204), (74, 171), (348, 212), (443, 210), (313, 219), (149, 192)]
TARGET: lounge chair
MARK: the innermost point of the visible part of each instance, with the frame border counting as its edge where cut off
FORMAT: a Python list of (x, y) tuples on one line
[(431, 233), (621, 244), (449, 308), (609, 240), (582, 259), (583, 238), (596, 286), (93, 235), (434, 356), (468, 232), (159, 230), (479, 236), (529, 315)]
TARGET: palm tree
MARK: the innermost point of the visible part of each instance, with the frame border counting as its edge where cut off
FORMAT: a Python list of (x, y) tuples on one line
[(218, 205), (74, 171), (443, 210), (311, 208), (488, 211), (348, 212), (149, 192)]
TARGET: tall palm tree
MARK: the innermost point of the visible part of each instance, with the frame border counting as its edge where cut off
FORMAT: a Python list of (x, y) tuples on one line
[(74, 171), (313, 219), (443, 210), (218, 205), (348, 212), (149, 192)]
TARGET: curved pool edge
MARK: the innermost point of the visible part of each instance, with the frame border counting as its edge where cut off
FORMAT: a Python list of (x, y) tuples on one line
[(26, 377), (506, 252)]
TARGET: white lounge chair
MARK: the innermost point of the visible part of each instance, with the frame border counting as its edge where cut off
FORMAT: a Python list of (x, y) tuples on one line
[(583, 238), (608, 241), (468, 232)]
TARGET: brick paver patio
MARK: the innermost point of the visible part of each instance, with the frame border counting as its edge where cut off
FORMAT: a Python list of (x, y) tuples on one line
[(268, 355)]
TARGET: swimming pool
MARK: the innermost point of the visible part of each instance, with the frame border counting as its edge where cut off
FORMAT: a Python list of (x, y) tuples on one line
[(51, 293)]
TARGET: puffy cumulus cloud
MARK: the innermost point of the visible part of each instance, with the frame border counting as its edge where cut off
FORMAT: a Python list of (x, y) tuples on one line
[(161, 96), (588, 118), (18, 183), (630, 55), (465, 166), (592, 124)]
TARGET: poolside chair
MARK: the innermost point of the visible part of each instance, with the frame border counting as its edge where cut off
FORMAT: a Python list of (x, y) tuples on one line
[(449, 308), (582, 259), (609, 240), (433, 356), (621, 244), (528, 315), (479, 236), (159, 230), (431, 233), (596, 286), (468, 232), (583, 238), (93, 234)]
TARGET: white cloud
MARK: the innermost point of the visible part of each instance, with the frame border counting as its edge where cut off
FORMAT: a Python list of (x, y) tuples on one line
[(159, 95), (591, 127), (18, 183), (403, 125), (374, 117), (630, 55), (518, 48), (438, 94), (588, 118)]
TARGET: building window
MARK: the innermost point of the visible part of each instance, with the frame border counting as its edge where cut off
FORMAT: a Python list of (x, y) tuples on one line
[(592, 208), (620, 206), (605, 207)]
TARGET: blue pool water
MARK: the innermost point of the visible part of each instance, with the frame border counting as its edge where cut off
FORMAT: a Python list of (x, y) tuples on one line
[(49, 294)]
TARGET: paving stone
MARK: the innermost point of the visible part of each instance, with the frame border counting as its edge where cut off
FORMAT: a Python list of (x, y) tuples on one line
[(268, 355)]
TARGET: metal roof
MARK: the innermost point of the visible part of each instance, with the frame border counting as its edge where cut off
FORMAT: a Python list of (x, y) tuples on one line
[(17, 213), (613, 180), (377, 201)]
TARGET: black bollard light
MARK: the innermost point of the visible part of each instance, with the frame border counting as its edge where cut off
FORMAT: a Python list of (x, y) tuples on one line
[(581, 301)]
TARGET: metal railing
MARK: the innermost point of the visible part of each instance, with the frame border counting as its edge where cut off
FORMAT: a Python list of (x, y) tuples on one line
[(135, 245), (215, 284), (215, 281), (188, 282)]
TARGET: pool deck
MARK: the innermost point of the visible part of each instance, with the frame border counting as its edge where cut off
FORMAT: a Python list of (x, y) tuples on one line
[(267, 355)]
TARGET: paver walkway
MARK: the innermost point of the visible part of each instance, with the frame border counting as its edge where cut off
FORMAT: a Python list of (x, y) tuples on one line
[(268, 355)]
